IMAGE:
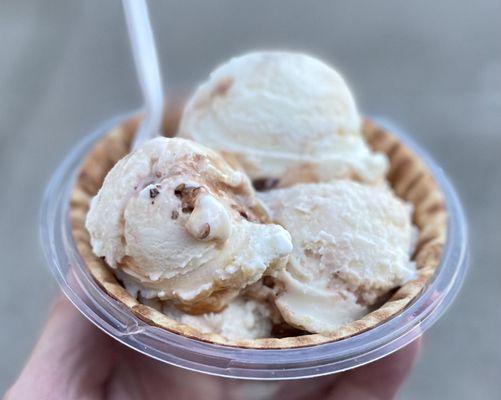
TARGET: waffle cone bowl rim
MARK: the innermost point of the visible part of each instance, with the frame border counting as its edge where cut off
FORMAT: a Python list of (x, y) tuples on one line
[(430, 247)]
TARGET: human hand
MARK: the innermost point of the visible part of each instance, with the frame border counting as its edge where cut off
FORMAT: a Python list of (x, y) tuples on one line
[(75, 360)]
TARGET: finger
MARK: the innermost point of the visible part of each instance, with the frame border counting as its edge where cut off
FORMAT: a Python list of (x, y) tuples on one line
[(70, 356), (378, 380), (137, 376)]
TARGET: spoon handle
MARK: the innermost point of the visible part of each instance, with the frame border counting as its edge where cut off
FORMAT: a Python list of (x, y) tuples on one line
[(147, 68)]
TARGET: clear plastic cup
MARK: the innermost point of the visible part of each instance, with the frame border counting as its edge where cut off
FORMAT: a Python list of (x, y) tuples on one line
[(113, 318)]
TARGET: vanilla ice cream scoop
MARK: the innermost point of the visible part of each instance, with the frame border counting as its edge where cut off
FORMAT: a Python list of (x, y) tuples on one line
[(352, 245), (241, 319), (177, 222), (284, 116)]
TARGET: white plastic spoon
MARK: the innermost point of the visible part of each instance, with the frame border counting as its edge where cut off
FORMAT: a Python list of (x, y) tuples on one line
[(147, 68)]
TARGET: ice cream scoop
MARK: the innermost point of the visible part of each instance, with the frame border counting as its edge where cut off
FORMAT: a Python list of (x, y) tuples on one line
[(286, 117), (177, 222), (241, 319), (352, 245)]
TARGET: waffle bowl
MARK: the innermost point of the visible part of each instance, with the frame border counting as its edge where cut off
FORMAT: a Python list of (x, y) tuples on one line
[(413, 176)]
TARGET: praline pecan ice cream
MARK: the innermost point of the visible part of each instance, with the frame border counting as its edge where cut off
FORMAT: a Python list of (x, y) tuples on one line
[(352, 246), (177, 222)]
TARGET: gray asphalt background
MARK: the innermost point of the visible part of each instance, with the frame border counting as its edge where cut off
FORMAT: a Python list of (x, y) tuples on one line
[(433, 67)]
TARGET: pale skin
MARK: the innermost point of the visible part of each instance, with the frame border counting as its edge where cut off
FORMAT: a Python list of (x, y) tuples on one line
[(75, 360)]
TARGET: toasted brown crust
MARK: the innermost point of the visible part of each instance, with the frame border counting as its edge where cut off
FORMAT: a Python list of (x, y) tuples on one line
[(407, 175)]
